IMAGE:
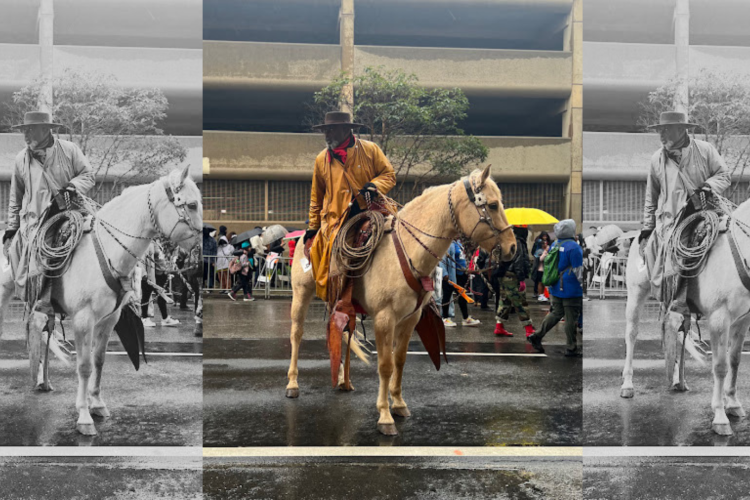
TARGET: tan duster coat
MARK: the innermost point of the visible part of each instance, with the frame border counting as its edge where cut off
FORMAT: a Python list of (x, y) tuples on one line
[(333, 186), (668, 188), (31, 193)]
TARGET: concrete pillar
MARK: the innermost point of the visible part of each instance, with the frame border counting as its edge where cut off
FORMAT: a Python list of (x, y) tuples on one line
[(46, 42), (346, 39), (682, 52), (573, 114)]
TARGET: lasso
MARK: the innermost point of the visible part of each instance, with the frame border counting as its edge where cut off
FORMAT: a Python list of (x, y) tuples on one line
[(357, 261), (54, 260)]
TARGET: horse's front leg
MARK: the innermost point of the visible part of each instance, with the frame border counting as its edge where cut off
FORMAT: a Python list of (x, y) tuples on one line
[(83, 326), (403, 335), (101, 340), (384, 331), (636, 298), (300, 302), (737, 337), (6, 295), (719, 325)]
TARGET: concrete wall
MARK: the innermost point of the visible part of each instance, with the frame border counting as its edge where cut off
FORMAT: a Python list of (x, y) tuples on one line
[(177, 72), (247, 64), (12, 144), (259, 155)]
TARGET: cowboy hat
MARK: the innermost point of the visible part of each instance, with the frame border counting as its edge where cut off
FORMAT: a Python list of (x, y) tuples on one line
[(37, 118), (673, 118), (334, 118)]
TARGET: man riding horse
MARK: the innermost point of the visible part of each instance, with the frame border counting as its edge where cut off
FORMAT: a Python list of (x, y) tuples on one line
[(49, 170), (684, 174), (347, 167)]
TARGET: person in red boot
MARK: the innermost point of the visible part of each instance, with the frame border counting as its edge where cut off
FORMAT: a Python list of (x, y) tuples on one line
[(513, 276)]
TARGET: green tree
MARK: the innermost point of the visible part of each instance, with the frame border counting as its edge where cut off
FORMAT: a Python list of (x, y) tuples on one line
[(417, 128), (720, 104), (104, 118)]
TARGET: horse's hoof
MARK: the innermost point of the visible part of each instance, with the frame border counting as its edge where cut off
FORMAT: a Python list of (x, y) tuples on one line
[(86, 429), (627, 392), (680, 387), (401, 412), (738, 412), (722, 429), (292, 393), (44, 387), (343, 387), (388, 429), (100, 412)]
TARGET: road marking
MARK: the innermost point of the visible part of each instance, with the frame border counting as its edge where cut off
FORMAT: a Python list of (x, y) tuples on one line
[(103, 451), (663, 451), (176, 354), (404, 451), (491, 354)]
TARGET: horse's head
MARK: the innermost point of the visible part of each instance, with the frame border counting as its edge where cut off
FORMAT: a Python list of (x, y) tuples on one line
[(479, 213), (179, 213)]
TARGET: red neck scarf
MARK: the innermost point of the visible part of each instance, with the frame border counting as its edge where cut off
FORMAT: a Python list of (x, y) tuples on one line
[(340, 152)]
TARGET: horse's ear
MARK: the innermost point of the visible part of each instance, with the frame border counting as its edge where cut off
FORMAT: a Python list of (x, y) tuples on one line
[(184, 174), (485, 175)]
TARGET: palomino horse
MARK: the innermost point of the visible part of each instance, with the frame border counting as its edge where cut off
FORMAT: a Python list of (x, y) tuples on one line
[(168, 208), (383, 291), (719, 296)]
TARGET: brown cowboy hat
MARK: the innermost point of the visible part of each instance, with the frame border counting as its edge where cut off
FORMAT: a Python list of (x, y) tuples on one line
[(334, 118), (673, 118), (37, 118)]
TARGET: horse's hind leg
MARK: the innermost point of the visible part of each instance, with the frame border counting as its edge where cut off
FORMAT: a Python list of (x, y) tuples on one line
[(6, 294), (733, 406), (101, 339), (403, 335), (636, 299), (719, 325), (384, 330), (303, 294), (83, 326)]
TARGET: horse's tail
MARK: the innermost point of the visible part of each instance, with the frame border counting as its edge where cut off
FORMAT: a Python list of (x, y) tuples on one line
[(357, 347)]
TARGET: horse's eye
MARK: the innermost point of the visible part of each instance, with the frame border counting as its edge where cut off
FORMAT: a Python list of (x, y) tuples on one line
[(493, 206), (193, 205)]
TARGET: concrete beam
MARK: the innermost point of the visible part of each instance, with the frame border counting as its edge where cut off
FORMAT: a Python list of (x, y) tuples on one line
[(12, 144), (274, 156)]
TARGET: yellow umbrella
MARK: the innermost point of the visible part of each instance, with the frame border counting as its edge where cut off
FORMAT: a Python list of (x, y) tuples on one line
[(529, 216)]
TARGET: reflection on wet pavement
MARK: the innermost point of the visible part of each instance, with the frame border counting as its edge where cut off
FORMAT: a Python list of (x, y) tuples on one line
[(392, 478), (655, 416)]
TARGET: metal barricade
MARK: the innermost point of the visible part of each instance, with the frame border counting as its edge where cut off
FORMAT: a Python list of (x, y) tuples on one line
[(274, 276), (608, 277)]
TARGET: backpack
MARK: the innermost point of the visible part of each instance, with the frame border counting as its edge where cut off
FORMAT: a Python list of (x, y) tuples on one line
[(234, 265), (551, 274)]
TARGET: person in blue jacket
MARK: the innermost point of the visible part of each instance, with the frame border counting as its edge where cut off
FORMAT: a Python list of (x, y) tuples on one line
[(453, 265), (567, 294)]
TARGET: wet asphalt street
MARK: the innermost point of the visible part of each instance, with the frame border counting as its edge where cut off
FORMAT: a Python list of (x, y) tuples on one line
[(160, 405), (666, 478), (655, 416), (459, 478), (100, 478), (472, 401)]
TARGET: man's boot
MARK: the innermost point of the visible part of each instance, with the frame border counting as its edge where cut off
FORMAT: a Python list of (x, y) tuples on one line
[(500, 330)]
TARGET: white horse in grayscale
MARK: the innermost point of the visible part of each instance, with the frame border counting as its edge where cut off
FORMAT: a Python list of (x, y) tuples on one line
[(721, 298), (168, 208)]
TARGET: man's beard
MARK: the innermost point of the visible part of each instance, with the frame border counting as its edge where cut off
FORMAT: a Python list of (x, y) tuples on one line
[(680, 142), (333, 143), (41, 144)]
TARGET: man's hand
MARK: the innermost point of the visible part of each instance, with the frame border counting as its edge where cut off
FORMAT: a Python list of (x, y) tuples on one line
[(645, 233), (700, 197), (309, 234), (9, 234), (369, 188)]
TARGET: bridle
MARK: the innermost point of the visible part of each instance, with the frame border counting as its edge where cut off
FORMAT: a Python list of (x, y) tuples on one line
[(480, 204), (179, 203)]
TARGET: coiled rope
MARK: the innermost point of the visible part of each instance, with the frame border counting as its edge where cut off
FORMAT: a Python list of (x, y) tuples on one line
[(689, 258), (54, 260), (355, 262)]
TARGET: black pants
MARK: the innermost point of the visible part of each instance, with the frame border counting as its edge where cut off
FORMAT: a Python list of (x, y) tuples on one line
[(244, 283), (147, 290), (209, 271), (448, 291)]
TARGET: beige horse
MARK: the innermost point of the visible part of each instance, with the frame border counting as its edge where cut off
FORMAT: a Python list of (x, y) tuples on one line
[(721, 298), (383, 291), (139, 214)]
